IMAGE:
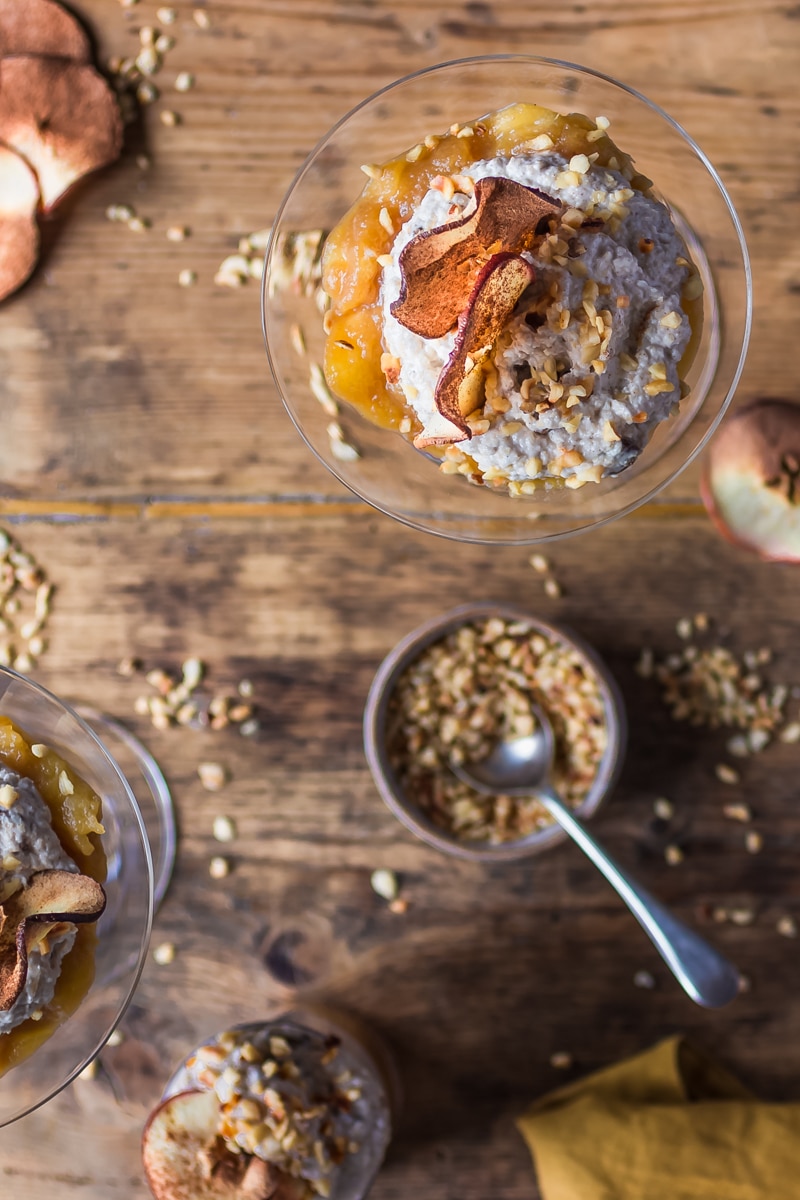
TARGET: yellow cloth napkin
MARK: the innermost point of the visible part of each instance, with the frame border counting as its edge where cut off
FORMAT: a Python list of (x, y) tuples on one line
[(666, 1125)]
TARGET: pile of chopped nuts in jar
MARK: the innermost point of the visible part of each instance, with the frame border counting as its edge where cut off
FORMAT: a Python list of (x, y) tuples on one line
[(284, 1097), (475, 687)]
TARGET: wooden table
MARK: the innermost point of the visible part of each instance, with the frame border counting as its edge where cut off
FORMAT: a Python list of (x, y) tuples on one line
[(147, 462)]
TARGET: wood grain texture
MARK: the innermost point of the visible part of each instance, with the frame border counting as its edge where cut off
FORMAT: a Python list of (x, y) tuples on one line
[(147, 461), (105, 398), (492, 969)]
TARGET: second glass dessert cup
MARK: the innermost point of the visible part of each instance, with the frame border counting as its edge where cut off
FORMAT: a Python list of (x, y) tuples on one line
[(388, 473), (123, 930)]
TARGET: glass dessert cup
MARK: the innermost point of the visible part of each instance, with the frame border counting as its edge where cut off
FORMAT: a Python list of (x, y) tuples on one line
[(403, 805), (123, 931), (361, 1052), (389, 473)]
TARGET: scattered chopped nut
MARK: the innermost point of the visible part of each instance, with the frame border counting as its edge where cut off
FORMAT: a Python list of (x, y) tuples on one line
[(787, 927), (184, 82), (177, 233), (737, 812), (399, 906), (741, 916), (385, 884), (115, 1038), (663, 808), (726, 774), (753, 841), (643, 979), (553, 588), (219, 867), (187, 278), (224, 829), (169, 118), (561, 1060), (673, 855), (711, 687), (201, 19), (164, 954), (539, 563), (213, 776)]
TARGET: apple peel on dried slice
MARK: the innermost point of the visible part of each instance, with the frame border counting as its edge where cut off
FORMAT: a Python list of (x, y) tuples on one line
[(42, 27), (62, 117), (440, 268), (185, 1158), (751, 480), (19, 231), (460, 386), (51, 898)]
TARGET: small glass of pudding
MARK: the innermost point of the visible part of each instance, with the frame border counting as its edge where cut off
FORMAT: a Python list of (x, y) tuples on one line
[(69, 819), (295, 1107), (493, 301)]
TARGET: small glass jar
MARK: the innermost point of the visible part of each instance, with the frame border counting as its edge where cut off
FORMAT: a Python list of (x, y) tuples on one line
[(325, 1041)]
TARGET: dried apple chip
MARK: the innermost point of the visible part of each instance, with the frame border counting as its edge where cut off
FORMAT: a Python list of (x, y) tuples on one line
[(19, 232), (440, 268), (51, 898), (62, 117), (42, 27), (459, 389)]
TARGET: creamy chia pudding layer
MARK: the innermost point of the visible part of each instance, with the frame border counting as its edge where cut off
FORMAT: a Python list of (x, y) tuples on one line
[(29, 844), (566, 383), (588, 364)]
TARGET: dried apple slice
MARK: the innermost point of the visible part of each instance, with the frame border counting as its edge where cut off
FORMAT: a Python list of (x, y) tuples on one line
[(459, 388), (751, 481), (19, 232), (185, 1159), (50, 898), (440, 268), (62, 117), (42, 27)]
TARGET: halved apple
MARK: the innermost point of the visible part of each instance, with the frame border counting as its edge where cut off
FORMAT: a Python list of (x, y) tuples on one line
[(62, 117), (42, 27), (185, 1159), (19, 232), (751, 481)]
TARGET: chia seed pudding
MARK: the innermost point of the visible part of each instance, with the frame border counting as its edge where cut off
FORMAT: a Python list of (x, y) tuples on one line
[(29, 844), (309, 1101)]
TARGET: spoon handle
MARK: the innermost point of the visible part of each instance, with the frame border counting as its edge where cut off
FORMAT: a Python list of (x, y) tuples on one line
[(701, 970)]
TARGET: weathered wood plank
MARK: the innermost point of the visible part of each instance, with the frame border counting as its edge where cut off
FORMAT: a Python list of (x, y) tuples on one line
[(490, 970), (107, 398)]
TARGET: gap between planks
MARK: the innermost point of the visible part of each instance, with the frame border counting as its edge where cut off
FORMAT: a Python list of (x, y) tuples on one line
[(78, 511)]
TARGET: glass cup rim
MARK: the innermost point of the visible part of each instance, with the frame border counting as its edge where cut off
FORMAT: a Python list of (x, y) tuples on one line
[(140, 825), (405, 652), (639, 97)]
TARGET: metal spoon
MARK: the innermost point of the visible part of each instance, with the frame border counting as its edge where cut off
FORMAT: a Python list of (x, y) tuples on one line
[(522, 767)]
